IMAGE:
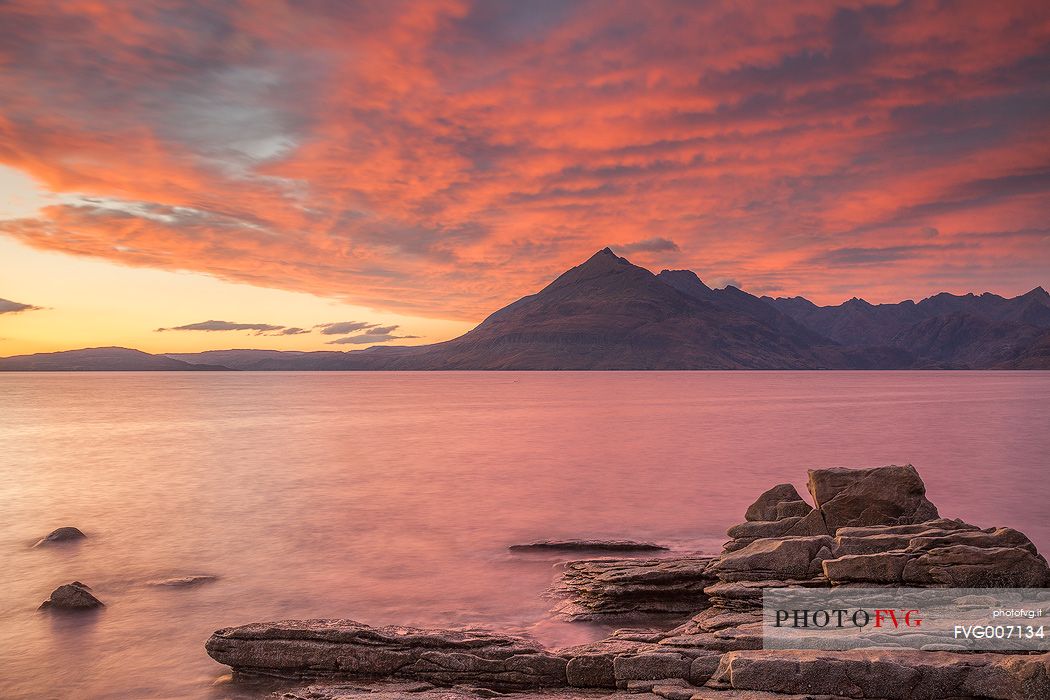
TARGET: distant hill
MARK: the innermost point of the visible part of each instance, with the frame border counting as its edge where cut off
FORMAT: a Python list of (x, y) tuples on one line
[(608, 314), (99, 360), (269, 360)]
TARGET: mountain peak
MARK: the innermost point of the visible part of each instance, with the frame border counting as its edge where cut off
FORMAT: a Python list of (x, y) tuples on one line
[(602, 264), (1037, 293), (605, 256), (604, 259)]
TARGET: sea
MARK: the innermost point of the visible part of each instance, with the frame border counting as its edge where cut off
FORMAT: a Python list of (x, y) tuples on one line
[(392, 498)]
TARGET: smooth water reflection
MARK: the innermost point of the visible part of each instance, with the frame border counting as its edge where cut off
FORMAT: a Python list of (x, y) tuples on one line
[(391, 497)]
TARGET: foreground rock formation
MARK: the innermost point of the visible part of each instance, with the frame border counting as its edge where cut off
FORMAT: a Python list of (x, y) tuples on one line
[(868, 527)]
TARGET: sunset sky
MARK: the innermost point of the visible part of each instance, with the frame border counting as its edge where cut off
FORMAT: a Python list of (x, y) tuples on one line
[(332, 174)]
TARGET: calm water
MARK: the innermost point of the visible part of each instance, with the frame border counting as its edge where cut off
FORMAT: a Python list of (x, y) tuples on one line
[(391, 498)]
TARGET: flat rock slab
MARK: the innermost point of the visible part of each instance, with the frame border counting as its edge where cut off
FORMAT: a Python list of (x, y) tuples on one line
[(346, 649), (888, 674), (400, 691), (601, 588), (395, 691), (588, 545)]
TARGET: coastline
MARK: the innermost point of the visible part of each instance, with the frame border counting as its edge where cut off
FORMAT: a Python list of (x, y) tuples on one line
[(870, 527)]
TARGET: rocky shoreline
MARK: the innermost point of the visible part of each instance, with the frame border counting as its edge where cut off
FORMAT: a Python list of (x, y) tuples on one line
[(872, 528)]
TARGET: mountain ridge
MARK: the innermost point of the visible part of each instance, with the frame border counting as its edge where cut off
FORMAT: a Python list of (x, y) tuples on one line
[(609, 314)]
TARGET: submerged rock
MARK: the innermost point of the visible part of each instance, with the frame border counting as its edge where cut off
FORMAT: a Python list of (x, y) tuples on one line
[(183, 581), (349, 649), (72, 596), (593, 545), (62, 534)]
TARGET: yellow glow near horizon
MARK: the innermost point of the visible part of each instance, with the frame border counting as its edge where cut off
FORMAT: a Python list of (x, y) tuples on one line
[(90, 303)]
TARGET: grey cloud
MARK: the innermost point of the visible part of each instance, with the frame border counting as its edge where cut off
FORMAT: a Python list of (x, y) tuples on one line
[(376, 334), (259, 328), (292, 331), (649, 245), (13, 307), (344, 327), (874, 256)]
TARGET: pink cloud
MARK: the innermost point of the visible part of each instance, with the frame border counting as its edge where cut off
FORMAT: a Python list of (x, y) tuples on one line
[(445, 158)]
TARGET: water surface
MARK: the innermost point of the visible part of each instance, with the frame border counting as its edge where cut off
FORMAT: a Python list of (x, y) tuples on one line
[(390, 498)]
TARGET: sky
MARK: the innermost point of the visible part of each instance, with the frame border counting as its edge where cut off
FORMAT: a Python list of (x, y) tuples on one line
[(323, 174)]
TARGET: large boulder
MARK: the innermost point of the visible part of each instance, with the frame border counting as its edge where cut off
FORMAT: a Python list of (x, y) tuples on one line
[(349, 649), (781, 501), (893, 495), (72, 596)]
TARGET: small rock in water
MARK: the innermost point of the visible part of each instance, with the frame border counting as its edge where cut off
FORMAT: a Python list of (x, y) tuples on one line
[(72, 596), (62, 534), (183, 581), (602, 545)]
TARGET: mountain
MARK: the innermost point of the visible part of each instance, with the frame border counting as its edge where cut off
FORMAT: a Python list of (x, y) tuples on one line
[(608, 314), (856, 322), (99, 360), (739, 301), (603, 314), (968, 341)]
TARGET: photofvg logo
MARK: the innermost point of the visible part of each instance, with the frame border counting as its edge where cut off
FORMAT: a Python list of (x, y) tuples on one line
[(959, 619), (842, 617)]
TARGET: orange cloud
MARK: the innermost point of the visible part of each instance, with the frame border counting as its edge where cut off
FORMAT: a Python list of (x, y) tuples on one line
[(444, 158)]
